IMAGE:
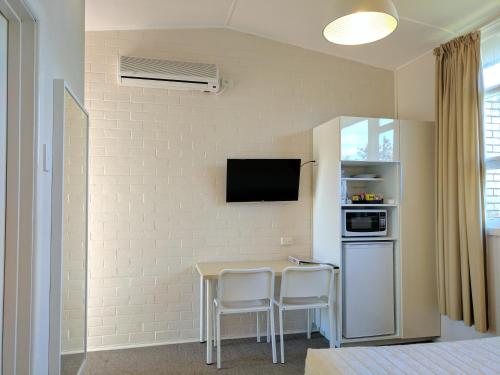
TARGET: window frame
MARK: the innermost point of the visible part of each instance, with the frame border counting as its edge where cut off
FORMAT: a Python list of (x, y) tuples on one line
[(18, 356), (492, 162)]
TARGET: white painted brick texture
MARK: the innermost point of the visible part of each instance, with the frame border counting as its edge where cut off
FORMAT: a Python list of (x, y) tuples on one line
[(157, 177), (73, 241)]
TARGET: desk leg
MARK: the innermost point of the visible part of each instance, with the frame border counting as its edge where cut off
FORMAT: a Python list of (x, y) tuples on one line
[(338, 311), (202, 310), (209, 328)]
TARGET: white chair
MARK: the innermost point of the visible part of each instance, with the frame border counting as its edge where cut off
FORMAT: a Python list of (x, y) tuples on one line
[(306, 288), (244, 291)]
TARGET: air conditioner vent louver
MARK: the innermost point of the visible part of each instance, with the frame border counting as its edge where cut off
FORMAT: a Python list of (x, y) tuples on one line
[(146, 72), (168, 67)]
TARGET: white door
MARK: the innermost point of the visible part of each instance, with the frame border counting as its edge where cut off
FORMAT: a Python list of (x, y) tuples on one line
[(3, 159), (368, 300), (420, 312)]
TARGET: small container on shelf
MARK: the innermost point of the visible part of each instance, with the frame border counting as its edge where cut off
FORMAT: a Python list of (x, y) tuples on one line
[(343, 192), (367, 198)]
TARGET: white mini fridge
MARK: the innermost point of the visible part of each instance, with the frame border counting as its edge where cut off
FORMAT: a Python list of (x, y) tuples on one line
[(368, 289)]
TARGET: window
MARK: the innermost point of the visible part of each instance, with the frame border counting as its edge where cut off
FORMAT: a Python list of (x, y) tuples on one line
[(490, 54), (492, 150)]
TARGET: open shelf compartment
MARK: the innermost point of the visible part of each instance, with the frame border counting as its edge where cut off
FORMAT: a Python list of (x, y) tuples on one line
[(385, 181)]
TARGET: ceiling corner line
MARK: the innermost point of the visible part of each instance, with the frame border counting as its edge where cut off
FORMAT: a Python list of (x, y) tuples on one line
[(230, 13), (413, 59), (429, 25)]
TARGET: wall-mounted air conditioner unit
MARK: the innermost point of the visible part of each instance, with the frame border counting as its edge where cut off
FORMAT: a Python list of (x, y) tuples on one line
[(136, 71)]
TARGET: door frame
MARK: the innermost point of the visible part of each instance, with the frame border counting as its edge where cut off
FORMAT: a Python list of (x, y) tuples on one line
[(22, 160), (3, 154)]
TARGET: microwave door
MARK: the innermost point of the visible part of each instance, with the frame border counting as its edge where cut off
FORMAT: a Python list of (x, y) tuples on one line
[(362, 223)]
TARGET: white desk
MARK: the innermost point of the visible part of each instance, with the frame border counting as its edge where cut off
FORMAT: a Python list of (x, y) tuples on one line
[(209, 273)]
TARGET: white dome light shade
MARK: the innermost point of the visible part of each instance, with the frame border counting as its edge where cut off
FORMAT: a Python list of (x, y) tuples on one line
[(363, 22)]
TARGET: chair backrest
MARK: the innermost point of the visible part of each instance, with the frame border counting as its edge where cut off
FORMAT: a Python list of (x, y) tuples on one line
[(245, 284), (314, 281)]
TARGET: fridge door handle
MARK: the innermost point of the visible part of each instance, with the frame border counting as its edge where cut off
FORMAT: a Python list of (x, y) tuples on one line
[(368, 244)]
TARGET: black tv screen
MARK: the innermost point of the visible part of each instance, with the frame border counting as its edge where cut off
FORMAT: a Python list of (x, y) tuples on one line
[(257, 180)]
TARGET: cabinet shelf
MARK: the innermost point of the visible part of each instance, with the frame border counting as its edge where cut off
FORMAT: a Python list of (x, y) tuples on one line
[(367, 239), (367, 163), (370, 205), (362, 179)]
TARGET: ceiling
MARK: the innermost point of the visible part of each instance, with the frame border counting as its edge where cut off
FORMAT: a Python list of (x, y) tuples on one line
[(423, 23)]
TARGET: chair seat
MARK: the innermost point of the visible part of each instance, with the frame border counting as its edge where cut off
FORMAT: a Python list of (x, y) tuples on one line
[(303, 302), (242, 306)]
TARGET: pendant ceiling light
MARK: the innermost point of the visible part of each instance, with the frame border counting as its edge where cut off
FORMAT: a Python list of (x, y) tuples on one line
[(361, 21)]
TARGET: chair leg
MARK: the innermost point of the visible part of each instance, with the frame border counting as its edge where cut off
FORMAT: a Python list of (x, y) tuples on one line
[(314, 318), (282, 344), (214, 326), (270, 319), (218, 341), (308, 312), (321, 319), (267, 326), (258, 328), (333, 337), (317, 319)]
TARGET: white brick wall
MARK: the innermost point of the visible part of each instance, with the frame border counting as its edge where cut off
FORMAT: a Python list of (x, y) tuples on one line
[(158, 170)]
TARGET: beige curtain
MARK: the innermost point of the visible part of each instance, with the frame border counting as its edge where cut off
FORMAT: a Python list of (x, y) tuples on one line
[(460, 179)]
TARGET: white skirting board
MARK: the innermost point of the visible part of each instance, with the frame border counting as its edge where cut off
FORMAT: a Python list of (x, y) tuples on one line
[(175, 342)]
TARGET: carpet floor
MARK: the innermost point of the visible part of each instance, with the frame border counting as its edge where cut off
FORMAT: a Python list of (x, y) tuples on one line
[(239, 356)]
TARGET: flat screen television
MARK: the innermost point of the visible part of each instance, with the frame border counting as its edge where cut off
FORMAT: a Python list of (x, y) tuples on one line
[(258, 180)]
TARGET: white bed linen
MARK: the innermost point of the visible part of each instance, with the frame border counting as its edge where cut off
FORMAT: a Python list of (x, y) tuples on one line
[(470, 357)]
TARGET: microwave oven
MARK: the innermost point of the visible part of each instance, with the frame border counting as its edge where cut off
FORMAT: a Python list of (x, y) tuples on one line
[(364, 223)]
